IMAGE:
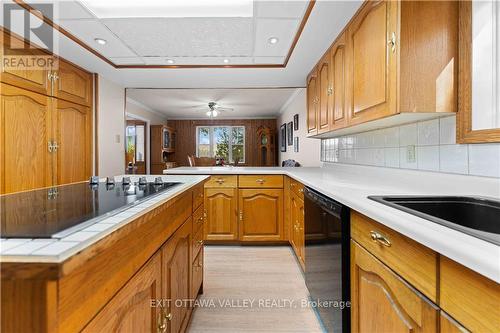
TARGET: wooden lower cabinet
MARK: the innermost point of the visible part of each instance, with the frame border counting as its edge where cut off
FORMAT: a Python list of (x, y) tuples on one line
[(176, 263), (130, 310), (297, 237), (221, 214), (197, 275), (449, 325), (260, 214), (383, 302)]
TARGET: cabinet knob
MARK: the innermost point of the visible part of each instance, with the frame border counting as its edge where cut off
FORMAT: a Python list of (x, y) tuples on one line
[(379, 238), (260, 181), (392, 42), (329, 91), (200, 242), (200, 219), (220, 180), (162, 325), (168, 317)]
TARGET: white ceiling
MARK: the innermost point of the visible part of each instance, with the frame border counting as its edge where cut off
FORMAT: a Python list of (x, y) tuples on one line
[(184, 40), (327, 19), (193, 103)]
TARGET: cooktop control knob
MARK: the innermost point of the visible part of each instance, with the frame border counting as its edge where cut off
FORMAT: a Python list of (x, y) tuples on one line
[(110, 180), (126, 181), (143, 181), (158, 181), (94, 180)]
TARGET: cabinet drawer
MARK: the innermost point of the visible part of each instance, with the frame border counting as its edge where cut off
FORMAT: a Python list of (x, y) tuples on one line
[(470, 298), (222, 181), (261, 181), (198, 195), (297, 188), (197, 277), (414, 262), (198, 219), (197, 242)]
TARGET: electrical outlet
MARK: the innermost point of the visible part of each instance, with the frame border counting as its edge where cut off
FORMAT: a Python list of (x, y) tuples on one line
[(117, 138), (410, 154)]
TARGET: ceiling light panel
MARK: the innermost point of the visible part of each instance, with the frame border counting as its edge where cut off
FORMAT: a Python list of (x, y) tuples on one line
[(192, 37), (169, 8), (280, 9), (283, 29), (87, 30)]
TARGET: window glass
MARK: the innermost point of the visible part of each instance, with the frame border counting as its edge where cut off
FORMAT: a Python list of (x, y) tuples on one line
[(227, 142)]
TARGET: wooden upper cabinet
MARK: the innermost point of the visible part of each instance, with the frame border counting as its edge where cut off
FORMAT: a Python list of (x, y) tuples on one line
[(176, 280), (26, 130), (338, 116), (325, 94), (261, 214), (221, 209), (372, 42), (312, 103), (383, 302), (73, 130), (130, 309), (36, 80), (72, 84)]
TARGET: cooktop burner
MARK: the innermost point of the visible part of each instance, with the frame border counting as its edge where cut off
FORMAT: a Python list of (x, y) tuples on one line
[(59, 211)]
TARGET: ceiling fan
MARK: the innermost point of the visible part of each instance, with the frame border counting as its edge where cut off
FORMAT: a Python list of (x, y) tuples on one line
[(214, 109)]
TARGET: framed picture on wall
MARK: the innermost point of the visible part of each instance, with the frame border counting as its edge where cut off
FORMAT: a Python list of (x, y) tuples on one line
[(296, 122), (290, 133), (296, 144), (283, 138)]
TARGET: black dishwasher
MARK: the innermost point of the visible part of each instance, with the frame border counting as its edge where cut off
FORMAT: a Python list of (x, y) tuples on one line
[(327, 230)]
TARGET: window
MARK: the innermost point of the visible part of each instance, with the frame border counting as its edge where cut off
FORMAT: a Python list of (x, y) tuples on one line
[(227, 142)]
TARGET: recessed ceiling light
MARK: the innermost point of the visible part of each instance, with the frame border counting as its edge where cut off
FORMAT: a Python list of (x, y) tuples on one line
[(170, 61), (226, 61), (273, 40), (100, 41)]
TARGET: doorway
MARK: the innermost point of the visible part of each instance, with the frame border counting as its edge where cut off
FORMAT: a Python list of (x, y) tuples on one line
[(135, 147)]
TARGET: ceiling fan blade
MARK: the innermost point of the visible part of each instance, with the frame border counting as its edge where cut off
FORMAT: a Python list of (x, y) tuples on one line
[(223, 109)]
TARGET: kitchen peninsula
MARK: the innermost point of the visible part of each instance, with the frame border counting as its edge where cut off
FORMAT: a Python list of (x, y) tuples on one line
[(104, 277)]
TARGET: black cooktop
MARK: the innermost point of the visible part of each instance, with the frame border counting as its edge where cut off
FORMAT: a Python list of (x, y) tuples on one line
[(59, 211)]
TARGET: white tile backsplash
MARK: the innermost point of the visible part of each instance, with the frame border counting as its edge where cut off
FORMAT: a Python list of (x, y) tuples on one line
[(435, 149), (484, 160), (428, 132)]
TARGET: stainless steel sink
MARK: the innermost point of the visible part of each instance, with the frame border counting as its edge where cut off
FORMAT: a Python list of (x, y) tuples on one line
[(476, 216)]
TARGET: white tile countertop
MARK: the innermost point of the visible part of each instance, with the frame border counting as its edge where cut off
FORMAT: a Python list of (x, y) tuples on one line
[(49, 250), (351, 185)]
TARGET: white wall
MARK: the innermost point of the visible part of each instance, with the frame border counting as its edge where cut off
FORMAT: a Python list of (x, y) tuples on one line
[(138, 111), (111, 128), (309, 149), (134, 110)]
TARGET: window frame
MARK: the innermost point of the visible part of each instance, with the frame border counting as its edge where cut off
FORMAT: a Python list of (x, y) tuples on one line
[(211, 140)]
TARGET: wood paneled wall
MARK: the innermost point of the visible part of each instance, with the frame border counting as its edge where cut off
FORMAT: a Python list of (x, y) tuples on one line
[(186, 137)]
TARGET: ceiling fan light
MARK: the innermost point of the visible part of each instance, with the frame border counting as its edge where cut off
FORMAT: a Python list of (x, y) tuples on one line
[(209, 113), (215, 113)]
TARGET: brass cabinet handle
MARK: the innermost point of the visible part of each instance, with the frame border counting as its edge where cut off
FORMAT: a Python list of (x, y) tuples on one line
[(168, 317), (50, 147), (379, 238), (200, 242), (220, 180), (241, 215), (205, 213), (55, 145), (392, 42), (260, 181), (301, 190), (162, 325), (329, 91)]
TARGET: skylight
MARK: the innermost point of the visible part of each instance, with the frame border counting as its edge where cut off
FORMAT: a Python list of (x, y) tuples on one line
[(169, 8)]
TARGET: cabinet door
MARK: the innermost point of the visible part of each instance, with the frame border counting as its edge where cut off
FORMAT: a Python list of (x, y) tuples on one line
[(176, 280), (130, 309), (37, 79), (73, 132), (261, 214), (449, 325), (382, 302), (325, 94), (73, 84), (222, 219), (312, 104), (373, 49), (338, 117), (25, 133)]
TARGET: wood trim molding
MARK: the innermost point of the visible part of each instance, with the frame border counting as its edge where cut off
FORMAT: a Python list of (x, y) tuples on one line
[(96, 123), (465, 133), (78, 41)]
